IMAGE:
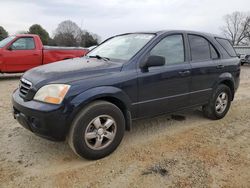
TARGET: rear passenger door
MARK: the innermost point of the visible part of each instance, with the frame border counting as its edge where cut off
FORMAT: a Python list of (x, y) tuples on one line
[(204, 63)]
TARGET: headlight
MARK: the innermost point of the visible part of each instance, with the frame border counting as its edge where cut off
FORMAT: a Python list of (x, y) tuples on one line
[(52, 93)]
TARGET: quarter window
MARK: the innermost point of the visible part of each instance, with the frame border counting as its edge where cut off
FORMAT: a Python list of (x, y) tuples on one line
[(26, 43), (227, 46), (171, 48)]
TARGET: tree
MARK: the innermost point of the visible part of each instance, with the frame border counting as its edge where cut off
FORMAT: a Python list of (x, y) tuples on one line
[(3, 33), (65, 39), (248, 36), (88, 39), (52, 42), (237, 27), (38, 30), (68, 33)]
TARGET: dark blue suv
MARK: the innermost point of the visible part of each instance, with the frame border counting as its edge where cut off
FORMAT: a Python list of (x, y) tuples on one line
[(91, 101)]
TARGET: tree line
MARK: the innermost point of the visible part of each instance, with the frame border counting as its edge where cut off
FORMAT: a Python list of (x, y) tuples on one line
[(236, 28), (67, 33)]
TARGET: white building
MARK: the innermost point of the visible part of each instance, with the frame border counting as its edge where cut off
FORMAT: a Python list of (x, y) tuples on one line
[(243, 50)]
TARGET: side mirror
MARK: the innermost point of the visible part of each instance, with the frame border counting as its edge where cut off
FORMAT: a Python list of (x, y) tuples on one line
[(238, 55), (152, 61)]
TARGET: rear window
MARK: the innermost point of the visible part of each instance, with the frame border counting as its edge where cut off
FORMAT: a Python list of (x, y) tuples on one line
[(200, 50), (226, 46)]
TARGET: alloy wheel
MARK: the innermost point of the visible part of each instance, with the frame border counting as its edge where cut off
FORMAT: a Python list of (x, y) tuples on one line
[(100, 132), (221, 102)]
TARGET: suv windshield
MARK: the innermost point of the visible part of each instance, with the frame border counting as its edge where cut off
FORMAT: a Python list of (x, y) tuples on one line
[(6, 41), (122, 47)]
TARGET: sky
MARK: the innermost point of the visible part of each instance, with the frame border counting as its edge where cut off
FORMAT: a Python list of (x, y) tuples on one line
[(111, 17)]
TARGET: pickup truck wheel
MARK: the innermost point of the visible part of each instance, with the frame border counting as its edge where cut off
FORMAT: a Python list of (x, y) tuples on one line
[(97, 130), (219, 104)]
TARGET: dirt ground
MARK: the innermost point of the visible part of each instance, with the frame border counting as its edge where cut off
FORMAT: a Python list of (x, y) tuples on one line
[(166, 151)]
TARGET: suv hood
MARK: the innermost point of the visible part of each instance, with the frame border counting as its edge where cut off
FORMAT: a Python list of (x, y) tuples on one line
[(71, 70)]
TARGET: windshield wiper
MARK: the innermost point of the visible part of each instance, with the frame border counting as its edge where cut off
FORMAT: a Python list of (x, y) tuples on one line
[(99, 57)]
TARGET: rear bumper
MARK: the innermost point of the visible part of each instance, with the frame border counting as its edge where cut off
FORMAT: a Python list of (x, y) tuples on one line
[(45, 120)]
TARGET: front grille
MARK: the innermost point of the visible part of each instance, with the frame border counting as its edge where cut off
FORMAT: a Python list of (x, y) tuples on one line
[(24, 87)]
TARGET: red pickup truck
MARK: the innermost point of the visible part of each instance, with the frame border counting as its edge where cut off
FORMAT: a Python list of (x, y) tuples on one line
[(22, 52)]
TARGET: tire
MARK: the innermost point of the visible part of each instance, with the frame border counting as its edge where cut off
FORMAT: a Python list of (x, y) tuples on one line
[(97, 130), (215, 109), (242, 63)]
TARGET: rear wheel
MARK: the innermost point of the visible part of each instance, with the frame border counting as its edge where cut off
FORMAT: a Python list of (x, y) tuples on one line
[(219, 104), (97, 130)]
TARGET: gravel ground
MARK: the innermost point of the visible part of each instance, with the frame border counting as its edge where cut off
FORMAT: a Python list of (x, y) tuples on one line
[(182, 150)]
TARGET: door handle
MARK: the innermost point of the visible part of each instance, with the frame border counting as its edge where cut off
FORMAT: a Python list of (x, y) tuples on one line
[(220, 66), (184, 73), (35, 54)]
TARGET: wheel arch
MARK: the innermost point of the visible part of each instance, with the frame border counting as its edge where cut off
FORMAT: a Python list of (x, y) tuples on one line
[(227, 79), (120, 104), (105, 93)]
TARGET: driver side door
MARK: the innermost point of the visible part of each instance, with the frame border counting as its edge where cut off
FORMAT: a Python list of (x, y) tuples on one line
[(165, 88), (22, 55)]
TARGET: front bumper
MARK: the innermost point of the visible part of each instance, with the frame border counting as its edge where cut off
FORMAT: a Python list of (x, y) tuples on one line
[(45, 120)]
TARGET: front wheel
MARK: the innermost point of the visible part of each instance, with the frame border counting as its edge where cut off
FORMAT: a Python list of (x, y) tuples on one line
[(97, 130), (219, 104)]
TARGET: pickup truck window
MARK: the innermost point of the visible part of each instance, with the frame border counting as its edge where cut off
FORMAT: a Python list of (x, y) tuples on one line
[(122, 47), (26, 43), (171, 48), (6, 41)]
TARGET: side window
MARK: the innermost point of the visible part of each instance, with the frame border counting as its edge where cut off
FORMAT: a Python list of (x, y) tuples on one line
[(199, 48), (227, 46), (214, 54), (26, 43), (171, 48)]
